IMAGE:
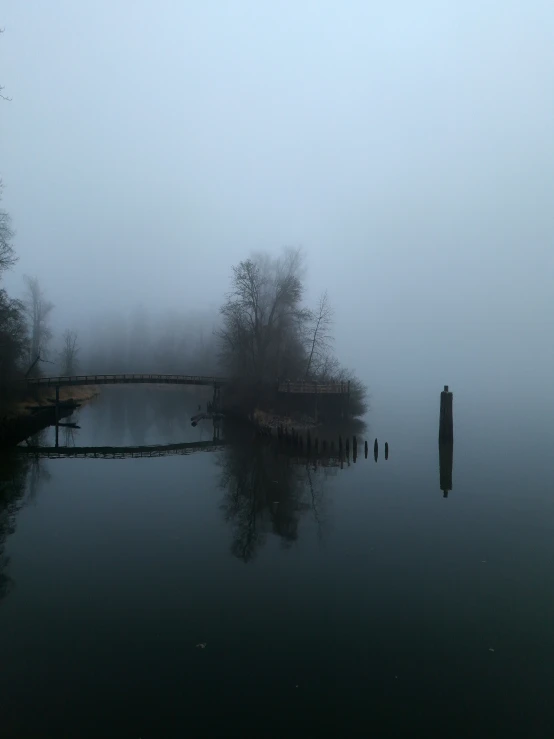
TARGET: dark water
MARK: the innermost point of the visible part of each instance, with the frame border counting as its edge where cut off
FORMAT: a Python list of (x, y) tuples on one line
[(330, 602)]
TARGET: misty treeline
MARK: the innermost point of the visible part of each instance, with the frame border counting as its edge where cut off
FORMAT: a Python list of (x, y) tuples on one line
[(25, 332), (145, 341), (13, 326), (25, 327), (268, 332)]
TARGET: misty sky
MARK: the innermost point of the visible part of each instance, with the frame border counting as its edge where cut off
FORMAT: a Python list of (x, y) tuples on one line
[(407, 146)]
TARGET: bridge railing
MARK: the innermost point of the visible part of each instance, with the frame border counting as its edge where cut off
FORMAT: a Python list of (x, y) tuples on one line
[(323, 388), (126, 378)]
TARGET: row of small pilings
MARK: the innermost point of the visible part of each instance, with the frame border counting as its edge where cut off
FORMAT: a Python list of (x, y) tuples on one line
[(296, 440)]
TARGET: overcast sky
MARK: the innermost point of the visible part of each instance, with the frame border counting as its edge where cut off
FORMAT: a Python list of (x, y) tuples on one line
[(407, 146)]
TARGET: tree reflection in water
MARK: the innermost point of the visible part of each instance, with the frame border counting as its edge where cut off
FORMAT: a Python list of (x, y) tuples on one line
[(20, 475), (266, 490)]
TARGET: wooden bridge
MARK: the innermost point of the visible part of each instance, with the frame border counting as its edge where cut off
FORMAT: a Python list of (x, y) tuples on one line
[(123, 452), (283, 386), (126, 379)]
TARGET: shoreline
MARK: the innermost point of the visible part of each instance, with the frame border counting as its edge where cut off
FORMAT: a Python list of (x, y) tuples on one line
[(32, 414)]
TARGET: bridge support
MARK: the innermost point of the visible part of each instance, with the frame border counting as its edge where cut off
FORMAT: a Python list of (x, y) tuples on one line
[(57, 412), (216, 403)]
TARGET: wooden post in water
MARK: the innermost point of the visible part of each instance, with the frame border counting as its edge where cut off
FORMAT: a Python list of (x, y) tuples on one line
[(376, 450), (366, 448), (446, 454), (386, 450), (446, 423)]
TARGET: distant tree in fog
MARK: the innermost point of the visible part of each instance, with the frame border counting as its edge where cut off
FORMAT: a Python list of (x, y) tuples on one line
[(38, 310), (68, 353)]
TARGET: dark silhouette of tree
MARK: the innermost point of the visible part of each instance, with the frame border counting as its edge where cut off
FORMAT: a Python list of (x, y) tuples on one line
[(7, 254), (268, 334), (13, 330), (13, 343), (263, 317)]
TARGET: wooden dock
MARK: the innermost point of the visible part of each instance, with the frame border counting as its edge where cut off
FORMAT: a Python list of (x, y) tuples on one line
[(313, 388)]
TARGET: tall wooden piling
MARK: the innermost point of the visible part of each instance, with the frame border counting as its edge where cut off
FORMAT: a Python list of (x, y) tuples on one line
[(446, 423), (386, 450), (376, 450), (446, 454), (366, 448)]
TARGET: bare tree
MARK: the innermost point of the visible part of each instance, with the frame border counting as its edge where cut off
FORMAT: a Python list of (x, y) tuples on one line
[(262, 315), (13, 344), (7, 254), (320, 338), (38, 312), (68, 353)]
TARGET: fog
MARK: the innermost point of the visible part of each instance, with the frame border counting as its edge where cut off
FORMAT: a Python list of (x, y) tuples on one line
[(406, 147)]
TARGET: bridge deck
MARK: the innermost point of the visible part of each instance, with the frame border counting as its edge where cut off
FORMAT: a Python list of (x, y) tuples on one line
[(125, 379), (320, 388)]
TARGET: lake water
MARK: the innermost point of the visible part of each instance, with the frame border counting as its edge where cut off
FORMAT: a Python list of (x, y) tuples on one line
[(235, 592)]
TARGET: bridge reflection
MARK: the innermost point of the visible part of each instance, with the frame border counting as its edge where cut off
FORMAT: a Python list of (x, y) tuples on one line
[(123, 452)]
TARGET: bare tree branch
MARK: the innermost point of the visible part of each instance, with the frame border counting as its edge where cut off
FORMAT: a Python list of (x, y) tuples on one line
[(321, 338)]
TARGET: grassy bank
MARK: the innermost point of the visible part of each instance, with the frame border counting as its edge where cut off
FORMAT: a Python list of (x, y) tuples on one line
[(41, 399)]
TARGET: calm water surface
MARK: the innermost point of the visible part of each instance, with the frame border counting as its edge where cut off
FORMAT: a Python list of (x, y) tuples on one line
[(330, 602)]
